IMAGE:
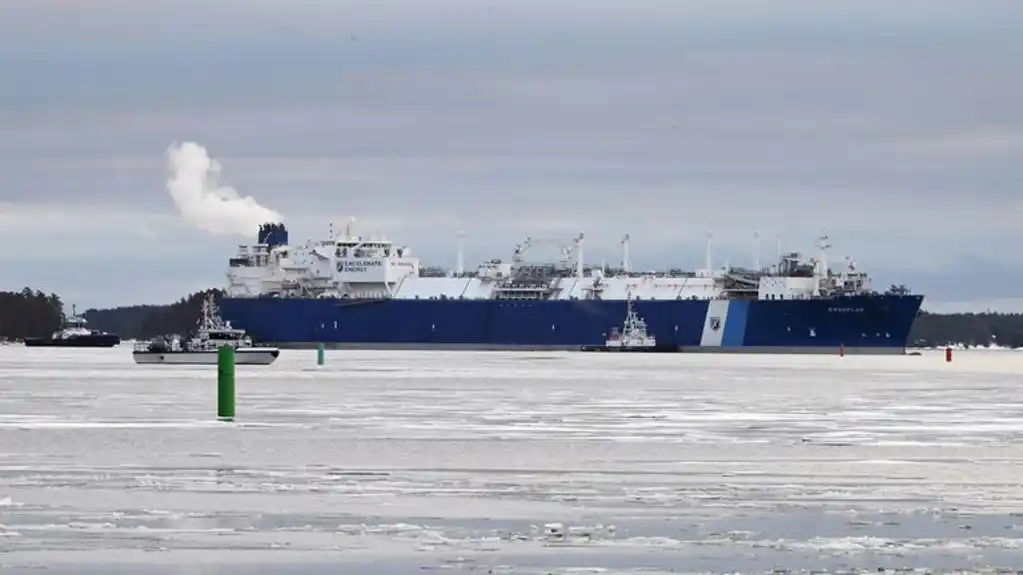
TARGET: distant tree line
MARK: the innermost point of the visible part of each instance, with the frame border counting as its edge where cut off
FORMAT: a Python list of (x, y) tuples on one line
[(971, 329), (147, 321), (31, 313)]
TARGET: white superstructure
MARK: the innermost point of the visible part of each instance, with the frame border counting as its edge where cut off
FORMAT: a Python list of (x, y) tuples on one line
[(346, 265), (73, 326)]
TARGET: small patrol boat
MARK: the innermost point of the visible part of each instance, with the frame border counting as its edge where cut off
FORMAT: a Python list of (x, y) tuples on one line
[(632, 336), (201, 348)]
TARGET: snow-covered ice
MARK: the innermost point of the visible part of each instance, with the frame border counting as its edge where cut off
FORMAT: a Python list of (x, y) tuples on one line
[(401, 462)]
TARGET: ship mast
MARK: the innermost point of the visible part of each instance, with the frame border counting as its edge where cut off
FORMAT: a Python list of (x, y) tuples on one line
[(626, 264), (821, 267), (707, 261), (579, 255), (756, 251), (460, 262)]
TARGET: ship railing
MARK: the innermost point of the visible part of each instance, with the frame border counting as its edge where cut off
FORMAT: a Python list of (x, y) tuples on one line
[(741, 289), (525, 288)]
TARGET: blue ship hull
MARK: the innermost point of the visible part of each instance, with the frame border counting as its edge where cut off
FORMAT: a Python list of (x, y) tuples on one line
[(877, 324)]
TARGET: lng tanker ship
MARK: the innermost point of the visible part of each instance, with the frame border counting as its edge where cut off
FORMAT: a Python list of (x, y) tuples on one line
[(348, 291)]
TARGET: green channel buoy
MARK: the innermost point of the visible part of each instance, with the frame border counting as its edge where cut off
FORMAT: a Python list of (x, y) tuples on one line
[(225, 383)]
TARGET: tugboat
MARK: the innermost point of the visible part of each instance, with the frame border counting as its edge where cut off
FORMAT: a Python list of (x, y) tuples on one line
[(73, 333), (632, 337), (201, 348)]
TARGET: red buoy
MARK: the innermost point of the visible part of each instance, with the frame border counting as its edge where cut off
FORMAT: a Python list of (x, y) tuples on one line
[(948, 354)]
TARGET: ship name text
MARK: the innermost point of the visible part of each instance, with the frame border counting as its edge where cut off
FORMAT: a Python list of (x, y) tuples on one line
[(358, 266)]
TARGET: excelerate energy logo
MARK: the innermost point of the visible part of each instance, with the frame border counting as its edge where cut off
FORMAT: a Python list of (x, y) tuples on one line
[(357, 266)]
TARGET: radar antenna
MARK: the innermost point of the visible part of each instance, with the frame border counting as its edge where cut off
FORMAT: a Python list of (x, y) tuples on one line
[(348, 228)]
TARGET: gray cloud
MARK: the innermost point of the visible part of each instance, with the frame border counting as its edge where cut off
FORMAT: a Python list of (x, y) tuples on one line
[(896, 126)]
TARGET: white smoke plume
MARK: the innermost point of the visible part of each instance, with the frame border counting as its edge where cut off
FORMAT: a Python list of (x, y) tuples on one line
[(204, 202)]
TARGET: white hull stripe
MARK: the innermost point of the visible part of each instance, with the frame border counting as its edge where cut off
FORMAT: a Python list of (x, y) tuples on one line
[(725, 323)]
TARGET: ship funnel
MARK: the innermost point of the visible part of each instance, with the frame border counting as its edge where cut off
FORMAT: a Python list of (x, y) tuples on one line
[(272, 235)]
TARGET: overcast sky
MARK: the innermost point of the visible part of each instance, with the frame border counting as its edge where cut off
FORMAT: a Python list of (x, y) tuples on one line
[(896, 126)]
